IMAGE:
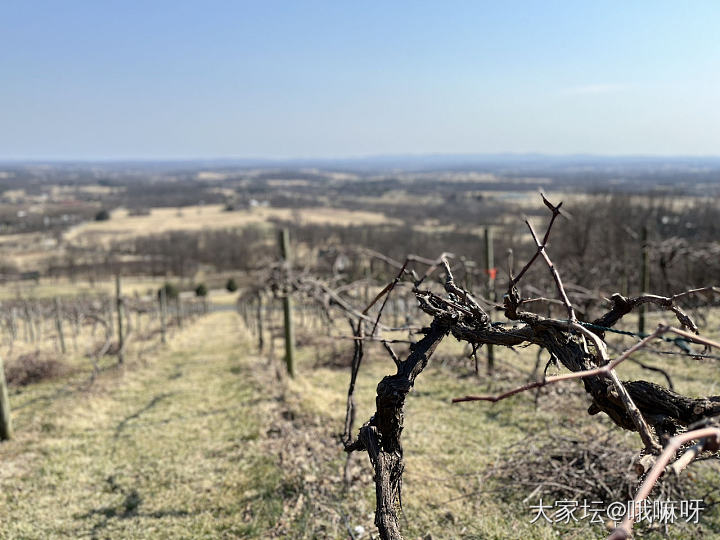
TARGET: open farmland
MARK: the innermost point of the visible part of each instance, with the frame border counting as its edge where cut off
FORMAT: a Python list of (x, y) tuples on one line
[(192, 218)]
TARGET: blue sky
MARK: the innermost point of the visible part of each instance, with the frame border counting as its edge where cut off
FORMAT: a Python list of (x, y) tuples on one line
[(171, 79)]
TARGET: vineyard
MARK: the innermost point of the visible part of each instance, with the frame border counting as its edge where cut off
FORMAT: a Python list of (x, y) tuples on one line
[(379, 271), (336, 391)]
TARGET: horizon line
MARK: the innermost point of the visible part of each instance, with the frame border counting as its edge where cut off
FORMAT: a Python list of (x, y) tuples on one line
[(355, 157)]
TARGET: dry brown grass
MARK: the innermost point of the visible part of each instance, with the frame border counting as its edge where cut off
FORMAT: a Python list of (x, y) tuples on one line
[(202, 440), (193, 218), (34, 367)]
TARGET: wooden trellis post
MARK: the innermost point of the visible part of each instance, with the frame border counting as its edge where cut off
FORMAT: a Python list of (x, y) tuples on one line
[(58, 326), (29, 330), (366, 290), (13, 324), (76, 326), (5, 421), (179, 311), (284, 241), (644, 277), (490, 272), (163, 314), (261, 338), (119, 307)]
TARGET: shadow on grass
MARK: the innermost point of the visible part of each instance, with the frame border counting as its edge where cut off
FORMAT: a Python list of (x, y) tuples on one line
[(78, 381), (129, 508), (125, 421)]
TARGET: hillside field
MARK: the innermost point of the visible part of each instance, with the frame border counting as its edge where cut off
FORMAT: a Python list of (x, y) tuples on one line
[(206, 439)]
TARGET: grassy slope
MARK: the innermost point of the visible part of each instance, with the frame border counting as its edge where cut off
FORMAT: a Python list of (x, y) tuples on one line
[(166, 449), (204, 441)]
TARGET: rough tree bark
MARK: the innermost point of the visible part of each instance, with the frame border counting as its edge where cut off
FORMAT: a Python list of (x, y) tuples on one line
[(380, 436)]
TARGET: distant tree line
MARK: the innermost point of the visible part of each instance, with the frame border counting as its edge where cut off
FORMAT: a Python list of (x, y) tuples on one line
[(601, 242)]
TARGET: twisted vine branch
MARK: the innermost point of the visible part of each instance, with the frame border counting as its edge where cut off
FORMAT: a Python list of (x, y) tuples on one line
[(642, 406)]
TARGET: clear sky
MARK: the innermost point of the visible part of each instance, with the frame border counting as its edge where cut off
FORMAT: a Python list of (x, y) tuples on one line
[(171, 79)]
